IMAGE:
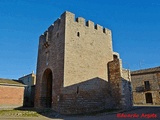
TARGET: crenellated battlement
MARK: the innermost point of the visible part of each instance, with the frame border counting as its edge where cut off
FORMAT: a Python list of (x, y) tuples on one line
[(81, 21)]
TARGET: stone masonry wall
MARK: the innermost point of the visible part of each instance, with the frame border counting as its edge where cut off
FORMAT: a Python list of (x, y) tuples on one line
[(115, 81), (127, 89), (76, 53), (85, 97), (50, 56), (88, 49), (138, 87), (119, 80)]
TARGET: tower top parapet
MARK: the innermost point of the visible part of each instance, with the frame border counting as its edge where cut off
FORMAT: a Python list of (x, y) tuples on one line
[(79, 20), (88, 23)]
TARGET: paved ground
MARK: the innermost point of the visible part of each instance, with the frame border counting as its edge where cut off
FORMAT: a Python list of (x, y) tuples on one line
[(140, 113)]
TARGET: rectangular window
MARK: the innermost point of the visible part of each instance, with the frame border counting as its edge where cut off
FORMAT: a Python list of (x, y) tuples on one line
[(146, 85)]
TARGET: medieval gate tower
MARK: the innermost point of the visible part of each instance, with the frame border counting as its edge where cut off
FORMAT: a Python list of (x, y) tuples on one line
[(77, 70)]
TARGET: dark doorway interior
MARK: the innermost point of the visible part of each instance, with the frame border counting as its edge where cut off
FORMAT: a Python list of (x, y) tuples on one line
[(148, 98), (47, 80)]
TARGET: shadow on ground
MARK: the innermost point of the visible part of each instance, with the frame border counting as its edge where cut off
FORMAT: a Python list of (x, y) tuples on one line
[(49, 113)]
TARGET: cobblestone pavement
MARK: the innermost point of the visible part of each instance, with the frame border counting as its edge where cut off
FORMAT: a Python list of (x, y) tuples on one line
[(140, 113)]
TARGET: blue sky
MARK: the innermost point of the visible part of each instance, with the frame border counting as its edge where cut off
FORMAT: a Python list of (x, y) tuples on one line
[(135, 26)]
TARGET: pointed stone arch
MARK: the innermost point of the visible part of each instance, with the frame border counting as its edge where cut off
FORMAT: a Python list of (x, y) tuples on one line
[(47, 81)]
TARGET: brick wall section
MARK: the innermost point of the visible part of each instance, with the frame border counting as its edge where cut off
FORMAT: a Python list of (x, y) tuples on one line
[(11, 96)]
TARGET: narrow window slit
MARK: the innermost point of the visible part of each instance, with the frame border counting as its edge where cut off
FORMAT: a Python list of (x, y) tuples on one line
[(104, 30), (77, 89), (78, 34)]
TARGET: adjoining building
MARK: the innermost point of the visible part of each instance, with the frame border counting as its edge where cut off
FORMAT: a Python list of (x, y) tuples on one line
[(11, 93), (146, 86), (77, 70), (29, 93)]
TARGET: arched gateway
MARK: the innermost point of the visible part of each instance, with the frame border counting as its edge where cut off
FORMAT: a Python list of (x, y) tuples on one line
[(47, 88)]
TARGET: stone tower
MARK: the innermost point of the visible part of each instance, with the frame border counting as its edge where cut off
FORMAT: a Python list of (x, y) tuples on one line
[(72, 67)]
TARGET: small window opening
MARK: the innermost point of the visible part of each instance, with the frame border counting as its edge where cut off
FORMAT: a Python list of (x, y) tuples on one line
[(146, 85), (77, 89), (104, 30), (78, 34)]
